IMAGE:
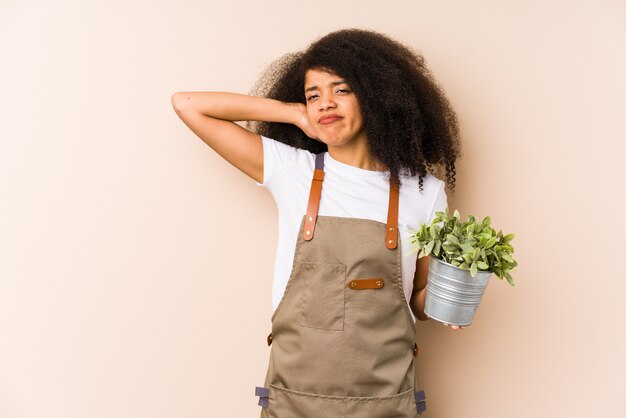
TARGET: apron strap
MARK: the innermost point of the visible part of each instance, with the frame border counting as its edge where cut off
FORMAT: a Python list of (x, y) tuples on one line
[(391, 238), (314, 198), (420, 401), (392, 214), (264, 395)]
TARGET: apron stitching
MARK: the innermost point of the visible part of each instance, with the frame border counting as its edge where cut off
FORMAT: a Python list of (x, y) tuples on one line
[(343, 397)]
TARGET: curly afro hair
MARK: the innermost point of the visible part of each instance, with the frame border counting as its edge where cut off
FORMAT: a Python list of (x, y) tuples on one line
[(410, 125)]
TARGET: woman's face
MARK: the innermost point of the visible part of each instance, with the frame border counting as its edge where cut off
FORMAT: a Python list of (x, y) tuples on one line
[(332, 108)]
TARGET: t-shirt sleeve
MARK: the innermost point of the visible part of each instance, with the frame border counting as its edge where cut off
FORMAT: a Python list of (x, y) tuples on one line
[(440, 204), (277, 158)]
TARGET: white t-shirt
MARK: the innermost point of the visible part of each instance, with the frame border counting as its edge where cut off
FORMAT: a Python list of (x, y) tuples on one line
[(348, 191)]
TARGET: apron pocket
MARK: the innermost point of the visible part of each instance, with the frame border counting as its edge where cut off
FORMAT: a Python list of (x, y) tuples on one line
[(288, 403), (322, 304)]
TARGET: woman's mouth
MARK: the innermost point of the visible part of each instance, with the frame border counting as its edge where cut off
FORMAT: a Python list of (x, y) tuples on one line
[(325, 120)]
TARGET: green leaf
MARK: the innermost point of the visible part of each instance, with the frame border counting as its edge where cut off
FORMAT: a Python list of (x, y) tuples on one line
[(437, 248), (509, 279), (429, 247), (507, 247), (508, 238), (453, 239), (473, 269), (482, 265), (507, 257), (491, 242)]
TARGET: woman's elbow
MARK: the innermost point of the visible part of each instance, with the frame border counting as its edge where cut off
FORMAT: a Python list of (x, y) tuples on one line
[(178, 101)]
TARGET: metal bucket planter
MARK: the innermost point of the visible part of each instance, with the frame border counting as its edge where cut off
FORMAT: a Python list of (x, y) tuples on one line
[(452, 294)]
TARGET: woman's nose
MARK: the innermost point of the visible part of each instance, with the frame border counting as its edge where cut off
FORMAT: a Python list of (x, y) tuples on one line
[(326, 102)]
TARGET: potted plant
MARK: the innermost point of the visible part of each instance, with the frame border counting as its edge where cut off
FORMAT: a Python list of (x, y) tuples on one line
[(463, 257)]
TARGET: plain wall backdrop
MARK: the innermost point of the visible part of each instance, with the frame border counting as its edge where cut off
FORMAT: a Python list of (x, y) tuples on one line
[(136, 264)]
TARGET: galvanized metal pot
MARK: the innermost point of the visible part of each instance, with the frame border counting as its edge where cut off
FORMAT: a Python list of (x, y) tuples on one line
[(452, 294)]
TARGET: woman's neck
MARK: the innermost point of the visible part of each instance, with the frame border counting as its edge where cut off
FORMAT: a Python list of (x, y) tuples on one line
[(355, 155)]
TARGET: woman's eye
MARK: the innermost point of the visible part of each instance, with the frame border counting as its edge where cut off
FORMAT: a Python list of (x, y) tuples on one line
[(315, 95)]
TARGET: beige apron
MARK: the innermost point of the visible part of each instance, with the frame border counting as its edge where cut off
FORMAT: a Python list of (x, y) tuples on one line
[(343, 338)]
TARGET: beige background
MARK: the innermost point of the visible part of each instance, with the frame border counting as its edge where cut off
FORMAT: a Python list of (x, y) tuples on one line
[(135, 263)]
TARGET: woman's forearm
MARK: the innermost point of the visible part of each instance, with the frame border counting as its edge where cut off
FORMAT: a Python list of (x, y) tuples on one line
[(235, 107), (417, 304)]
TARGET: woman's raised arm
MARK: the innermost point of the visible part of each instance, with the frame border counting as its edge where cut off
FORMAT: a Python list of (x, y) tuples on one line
[(211, 116)]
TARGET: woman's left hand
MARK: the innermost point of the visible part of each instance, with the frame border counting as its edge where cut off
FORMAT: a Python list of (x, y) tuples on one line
[(454, 327)]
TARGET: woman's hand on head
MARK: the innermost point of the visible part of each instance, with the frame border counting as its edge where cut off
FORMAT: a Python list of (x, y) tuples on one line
[(302, 121)]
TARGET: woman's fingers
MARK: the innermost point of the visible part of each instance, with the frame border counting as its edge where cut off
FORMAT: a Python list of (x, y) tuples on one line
[(454, 327), (302, 121)]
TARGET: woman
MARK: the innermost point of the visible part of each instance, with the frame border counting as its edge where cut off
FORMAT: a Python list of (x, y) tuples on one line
[(360, 114)]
